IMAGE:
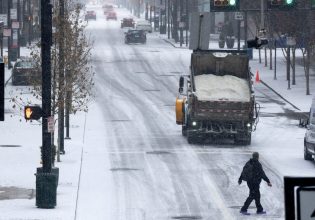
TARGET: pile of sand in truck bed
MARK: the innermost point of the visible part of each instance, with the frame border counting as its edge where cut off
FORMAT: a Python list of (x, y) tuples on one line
[(210, 87)]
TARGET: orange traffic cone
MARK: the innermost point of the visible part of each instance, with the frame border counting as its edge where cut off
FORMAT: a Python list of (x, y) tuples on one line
[(257, 77)]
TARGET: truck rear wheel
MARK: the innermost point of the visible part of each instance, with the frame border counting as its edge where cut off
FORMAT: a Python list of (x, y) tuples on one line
[(194, 137), (184, 130), (243, 139)]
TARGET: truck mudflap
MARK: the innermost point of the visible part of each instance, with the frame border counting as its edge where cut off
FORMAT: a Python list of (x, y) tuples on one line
[(180, 110)]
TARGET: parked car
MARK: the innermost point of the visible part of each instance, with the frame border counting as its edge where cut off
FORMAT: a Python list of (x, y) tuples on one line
[(127, 22), (309, 138), (23, 72), (145, 26), (90, 15), (111, 16), (135, 36)]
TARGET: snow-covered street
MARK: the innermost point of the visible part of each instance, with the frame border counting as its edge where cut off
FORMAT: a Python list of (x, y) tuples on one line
[(127, 158)]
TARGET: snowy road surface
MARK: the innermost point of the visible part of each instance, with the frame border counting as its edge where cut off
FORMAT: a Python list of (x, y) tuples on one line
[(148, 170)]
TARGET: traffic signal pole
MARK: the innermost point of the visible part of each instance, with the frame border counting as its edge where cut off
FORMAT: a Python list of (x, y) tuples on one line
[(46, 177)]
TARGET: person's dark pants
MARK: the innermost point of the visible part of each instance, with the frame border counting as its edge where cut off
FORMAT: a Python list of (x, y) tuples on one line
[(254, 194)]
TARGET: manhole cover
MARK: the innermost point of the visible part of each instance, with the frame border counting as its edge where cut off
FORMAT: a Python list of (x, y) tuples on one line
[(158, 152), (10, 145), (124, 169), (187, 217)]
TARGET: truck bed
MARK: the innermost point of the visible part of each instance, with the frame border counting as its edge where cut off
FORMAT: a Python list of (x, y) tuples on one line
[(210, 87)]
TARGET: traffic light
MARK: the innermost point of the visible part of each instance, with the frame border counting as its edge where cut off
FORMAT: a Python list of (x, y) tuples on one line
[(312, 4), (1, 91), (224, 5), (281, 4), (257, 42), (33, 112)]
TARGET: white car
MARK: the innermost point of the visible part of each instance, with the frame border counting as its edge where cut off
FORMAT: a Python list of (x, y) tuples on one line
[(146, 26)]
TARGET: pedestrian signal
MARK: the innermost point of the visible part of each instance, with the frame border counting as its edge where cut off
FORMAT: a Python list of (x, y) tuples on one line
[(33, 112)]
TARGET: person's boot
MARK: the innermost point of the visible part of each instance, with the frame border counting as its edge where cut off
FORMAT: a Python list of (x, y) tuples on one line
[(244, 212)]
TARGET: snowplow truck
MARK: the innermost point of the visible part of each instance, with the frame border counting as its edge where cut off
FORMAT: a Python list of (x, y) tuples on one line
[(216, 101)]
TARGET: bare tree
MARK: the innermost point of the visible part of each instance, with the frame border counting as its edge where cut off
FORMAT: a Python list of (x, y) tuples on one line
[(79, 71)]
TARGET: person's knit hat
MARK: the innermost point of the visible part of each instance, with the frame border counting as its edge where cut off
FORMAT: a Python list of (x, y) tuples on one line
[(255, 155)]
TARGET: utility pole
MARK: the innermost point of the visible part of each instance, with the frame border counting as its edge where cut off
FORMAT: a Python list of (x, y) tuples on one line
[(288, 66), (181, 10), (9, 38), (61, 91), (168, 19), (186, 22), (175, 22), (46, 177)]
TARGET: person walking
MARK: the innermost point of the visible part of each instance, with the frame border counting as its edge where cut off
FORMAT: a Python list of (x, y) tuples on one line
[(253, 173)]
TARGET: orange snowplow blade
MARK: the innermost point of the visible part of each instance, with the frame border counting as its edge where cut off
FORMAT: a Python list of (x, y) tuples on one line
[(179, 108)]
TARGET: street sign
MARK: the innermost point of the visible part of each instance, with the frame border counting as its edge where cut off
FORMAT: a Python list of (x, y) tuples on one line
[(13, 14), (291, 194), (15, 25), (51, 124), (6, 32), (4, 18), (181, 24), (239, 16), (306, 203)]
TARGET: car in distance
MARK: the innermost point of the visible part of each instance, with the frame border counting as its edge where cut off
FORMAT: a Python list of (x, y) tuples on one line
[(111, 16), (127, 22), (24, 73), (107, 8), (309, 138), (145, 26), (90, 15), (135, 36)]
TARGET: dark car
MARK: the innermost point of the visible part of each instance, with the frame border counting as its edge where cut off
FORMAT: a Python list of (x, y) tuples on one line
[(135, 36), (127, 22), (309, 138), (23, 73), (111, 16), (90, 15), (108, 8)]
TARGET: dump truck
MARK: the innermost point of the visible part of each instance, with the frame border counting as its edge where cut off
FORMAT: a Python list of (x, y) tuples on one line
[(216, 100)]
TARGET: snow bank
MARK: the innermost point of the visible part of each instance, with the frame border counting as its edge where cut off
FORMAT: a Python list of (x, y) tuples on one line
[(229, 88)]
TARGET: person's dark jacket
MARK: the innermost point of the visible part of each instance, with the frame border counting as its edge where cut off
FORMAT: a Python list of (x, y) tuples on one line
[(258, 173)]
